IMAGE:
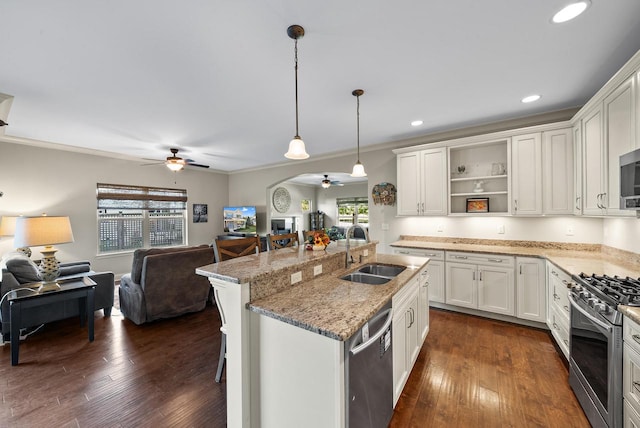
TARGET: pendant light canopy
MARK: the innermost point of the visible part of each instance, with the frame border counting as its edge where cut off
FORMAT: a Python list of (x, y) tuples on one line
[(358, 168), (296, 146)]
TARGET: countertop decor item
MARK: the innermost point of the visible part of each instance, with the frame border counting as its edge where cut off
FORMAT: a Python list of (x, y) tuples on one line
[(318, 241), (384, 194), (281, 200)]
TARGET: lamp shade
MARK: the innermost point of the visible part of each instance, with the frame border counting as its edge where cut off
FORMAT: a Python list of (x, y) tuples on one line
[(44, 230), (358, 170), (296, 149), (8, 225)]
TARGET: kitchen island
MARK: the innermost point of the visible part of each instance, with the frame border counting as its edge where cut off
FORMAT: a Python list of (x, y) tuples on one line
[(285, 342)]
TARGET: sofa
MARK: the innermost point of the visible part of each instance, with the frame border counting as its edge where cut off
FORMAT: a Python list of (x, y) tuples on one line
[(163, 283), (18, 270)]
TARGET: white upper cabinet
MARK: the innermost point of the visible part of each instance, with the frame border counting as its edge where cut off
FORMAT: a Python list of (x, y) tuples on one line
[(422, 187), (558, 176), (577, 169), (526, 181), (619, 132), (592, 164)]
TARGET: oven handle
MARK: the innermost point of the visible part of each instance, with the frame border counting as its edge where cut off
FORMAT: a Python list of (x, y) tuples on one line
[(588, 315)]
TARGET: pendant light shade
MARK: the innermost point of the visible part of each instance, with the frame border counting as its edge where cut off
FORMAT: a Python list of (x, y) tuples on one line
[(296, 146), (358, 168)]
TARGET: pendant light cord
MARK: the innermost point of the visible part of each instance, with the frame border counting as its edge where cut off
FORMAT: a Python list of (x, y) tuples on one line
[(296, 70), (358, 125)]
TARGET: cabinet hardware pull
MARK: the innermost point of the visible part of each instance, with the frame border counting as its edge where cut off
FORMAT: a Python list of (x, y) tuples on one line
[(566, 342), (418, 207), (636, 386), (403, 252), (423, 208), (431, 255), (566, 308), (555, 326), (461, 257), (605, 200), (495, 260), (555, 297), (598, 200), (480, 275), (565, 282), (515, 205), (474, 275), (520, 269), (636, 338), (578, 203), (553, 272)]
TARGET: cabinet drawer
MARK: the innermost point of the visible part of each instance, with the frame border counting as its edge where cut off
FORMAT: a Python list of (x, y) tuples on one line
[(560, 330), (432, 254), (631, 373), (559, 284), (483, 259), (631, 334)]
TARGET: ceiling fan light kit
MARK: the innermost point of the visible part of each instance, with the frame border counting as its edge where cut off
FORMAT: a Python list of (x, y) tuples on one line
[(296, 146), (358, 168), (174, 163)]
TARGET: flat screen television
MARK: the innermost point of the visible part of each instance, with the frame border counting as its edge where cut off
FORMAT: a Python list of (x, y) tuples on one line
[(240, 219)]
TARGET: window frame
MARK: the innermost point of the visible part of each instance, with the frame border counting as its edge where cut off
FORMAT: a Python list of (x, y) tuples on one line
[(144, 203)]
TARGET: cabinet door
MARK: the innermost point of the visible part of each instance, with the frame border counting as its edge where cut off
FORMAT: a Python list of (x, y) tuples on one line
[(577, 169), (413, 344), (619, 122), (434, 182), (435, 278), (423, 306), (631, 375), (593, 166), (400, 368), (531, 289), (495, 290), (408, 195), (558, 194), (526, 184), (461, 285)]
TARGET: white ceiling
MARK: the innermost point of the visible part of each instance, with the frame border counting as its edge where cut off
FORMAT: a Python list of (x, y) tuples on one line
[(215, 78)]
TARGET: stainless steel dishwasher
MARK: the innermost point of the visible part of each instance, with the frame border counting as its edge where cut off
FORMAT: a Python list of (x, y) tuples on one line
[(369, 373)]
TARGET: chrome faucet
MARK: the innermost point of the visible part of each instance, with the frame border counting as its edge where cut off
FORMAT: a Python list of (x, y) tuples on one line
[(349, 259)]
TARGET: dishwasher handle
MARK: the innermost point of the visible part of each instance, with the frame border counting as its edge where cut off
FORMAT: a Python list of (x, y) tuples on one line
[(376, 336)]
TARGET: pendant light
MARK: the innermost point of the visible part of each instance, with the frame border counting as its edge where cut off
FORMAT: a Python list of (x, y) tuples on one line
[(296, 146), (358, 168)]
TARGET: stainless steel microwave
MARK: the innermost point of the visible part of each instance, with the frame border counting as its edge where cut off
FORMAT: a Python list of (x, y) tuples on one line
[(630, 181)]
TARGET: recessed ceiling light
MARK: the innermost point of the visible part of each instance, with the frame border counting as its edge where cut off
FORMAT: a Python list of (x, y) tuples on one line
[(570, 11), (530, 98), (417, 123)]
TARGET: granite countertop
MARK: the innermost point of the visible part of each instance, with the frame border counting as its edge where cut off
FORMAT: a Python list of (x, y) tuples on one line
[(334, 307), (572, 260)]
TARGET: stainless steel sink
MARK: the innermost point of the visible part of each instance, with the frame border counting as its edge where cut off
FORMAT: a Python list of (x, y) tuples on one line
[(382, 270), (365, 278)]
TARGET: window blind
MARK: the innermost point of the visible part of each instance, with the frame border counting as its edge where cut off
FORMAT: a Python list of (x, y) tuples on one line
[(118, 196)]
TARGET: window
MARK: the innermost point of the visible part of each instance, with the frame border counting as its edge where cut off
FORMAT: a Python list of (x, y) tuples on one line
[(131, 217), (353, 210)]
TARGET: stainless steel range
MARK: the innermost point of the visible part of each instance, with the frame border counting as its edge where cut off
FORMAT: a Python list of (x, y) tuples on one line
[(595, 350)]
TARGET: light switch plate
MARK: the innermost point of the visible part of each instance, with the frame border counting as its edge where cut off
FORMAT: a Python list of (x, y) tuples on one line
[(296, 277), (317, 270), (365, 252)]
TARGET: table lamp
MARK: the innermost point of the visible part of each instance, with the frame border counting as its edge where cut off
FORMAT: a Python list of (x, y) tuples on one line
[(44, 231), (8, 228)]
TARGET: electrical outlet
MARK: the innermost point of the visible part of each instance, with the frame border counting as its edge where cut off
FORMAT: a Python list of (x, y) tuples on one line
[(296, 277), (385, 226), (440, 228), (501, 229), (317, 270), (365, 252), (570, 231)]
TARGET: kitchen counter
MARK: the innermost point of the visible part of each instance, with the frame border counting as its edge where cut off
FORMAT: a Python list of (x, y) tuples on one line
[(334, 307), (572, 258)]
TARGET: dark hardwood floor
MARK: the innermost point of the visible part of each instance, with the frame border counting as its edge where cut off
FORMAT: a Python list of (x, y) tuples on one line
[(471, 372)]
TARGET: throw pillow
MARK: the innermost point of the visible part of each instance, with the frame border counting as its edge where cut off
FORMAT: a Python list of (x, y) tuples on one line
[(23, 269)]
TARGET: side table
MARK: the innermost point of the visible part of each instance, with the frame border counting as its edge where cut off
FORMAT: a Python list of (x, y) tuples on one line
[(82, 289)]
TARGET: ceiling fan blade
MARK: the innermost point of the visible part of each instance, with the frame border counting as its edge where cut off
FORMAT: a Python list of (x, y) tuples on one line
[(191, 162)]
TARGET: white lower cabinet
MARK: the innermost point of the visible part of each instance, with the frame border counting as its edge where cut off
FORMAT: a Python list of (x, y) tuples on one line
[(531, 289), (631, 373), (405, 333), (478, 281), (435, 269), (558, 283), (423, 305)]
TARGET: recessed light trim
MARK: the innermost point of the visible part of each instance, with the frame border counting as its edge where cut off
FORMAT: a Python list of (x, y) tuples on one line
[(417, 123), (570, 11), (530, 98)]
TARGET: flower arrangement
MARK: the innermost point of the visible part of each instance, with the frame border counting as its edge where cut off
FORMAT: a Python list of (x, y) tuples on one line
[(318, 241)]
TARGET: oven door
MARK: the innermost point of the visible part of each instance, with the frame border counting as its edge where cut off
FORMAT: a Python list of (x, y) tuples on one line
[(596, 365)]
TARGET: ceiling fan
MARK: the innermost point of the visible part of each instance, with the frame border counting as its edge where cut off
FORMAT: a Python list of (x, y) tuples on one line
[(326, 183), (176, 163)]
